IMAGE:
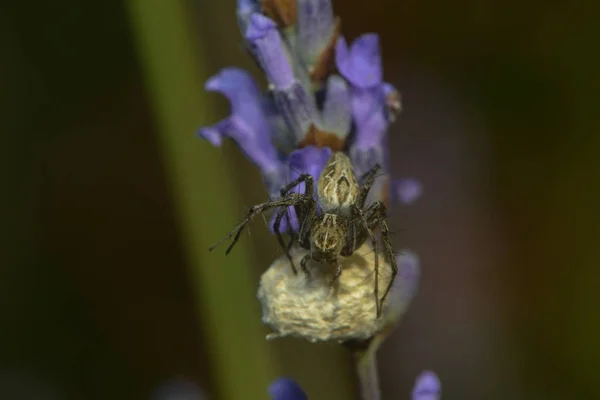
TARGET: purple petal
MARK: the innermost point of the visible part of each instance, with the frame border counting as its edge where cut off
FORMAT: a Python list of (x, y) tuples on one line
[(409, 275), (427, 387), (365, 158), (247, 124), (269, 49), (406, 191), (361, 64), (314, 29), (286, 389), (214, 134), (245, 8), (337, 109), (369, 114), (308, 160)]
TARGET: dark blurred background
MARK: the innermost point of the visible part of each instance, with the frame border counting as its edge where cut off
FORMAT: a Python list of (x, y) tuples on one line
[(109, 202)]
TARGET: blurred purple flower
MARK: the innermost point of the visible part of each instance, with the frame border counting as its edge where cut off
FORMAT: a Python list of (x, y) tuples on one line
[(406, 191), (286, 389), (314, 29), (427, 387), (361, 63), (247, 124), (262, 33)]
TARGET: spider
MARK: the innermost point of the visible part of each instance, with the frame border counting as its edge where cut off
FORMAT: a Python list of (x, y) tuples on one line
[(339, 228)]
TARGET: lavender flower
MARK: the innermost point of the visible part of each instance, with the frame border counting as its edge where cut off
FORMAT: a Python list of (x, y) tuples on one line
[(286, 389), (427, 387), (297, 45)]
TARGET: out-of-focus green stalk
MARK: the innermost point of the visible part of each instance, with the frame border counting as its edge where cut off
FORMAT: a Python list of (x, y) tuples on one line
[(204, 198), (366, 370)]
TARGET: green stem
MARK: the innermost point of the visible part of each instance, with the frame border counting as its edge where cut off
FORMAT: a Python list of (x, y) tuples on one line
[(204, 199)]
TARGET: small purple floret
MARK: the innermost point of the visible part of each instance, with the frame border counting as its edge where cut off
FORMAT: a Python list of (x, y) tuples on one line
[(269, 49), (427, 387), (286, 389), (247, 124), (406, 191), (361, 63)]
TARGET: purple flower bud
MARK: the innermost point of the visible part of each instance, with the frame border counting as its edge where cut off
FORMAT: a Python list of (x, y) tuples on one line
[(369, 113), (409, 275), (314, 29), (269, 49), (286, 389), (337, 109), (247, 124), (406, 191), (427, 387), (361, 64)]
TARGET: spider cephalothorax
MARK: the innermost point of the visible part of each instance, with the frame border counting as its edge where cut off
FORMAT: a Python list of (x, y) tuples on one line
[(341, 225)]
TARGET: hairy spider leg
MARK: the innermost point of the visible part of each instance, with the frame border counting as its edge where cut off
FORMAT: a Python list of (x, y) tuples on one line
[(303, 262), (286, 248), (290, 200), (338, 273), (368, 178), (366, 226), (378, 214), (300, 213)]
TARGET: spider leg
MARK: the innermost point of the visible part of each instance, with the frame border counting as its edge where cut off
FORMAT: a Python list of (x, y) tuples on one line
[(290, 200), (301, 212), (308, 185), (379, 213), (303, 262), (368, 180), (361, 218), (338, 272), (286, 248)]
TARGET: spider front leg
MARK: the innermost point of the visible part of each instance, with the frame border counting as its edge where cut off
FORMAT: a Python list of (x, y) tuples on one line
[(360, 216), (288, 201), (286, 248), (303, 262), (368, 179), (378, 212), (338, 273), (308, 185)]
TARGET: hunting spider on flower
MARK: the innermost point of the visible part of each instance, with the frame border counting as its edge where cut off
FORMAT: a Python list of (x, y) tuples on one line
[(342, 226)]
